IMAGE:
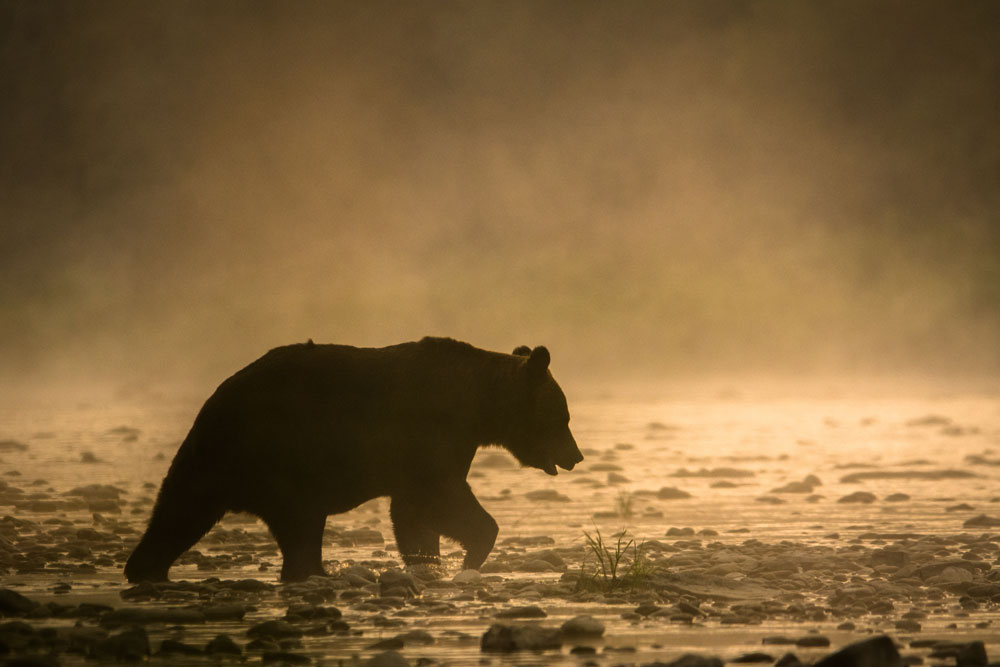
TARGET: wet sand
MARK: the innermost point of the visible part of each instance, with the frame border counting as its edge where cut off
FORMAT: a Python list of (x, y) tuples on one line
[(766, 526)]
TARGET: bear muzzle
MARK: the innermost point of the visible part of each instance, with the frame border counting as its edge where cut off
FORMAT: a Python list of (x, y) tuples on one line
[(566, 459)]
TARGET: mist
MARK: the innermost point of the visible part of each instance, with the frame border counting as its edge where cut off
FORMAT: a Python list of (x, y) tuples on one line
[(649, 189)]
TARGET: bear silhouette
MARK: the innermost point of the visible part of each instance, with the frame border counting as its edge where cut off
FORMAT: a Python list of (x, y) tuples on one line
[(310, 430)]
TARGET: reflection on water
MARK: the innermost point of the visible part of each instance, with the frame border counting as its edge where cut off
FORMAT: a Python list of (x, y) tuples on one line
[(719, 471)]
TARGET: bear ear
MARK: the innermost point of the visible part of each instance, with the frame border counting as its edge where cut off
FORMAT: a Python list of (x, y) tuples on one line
[(538, 362), (521, 351)]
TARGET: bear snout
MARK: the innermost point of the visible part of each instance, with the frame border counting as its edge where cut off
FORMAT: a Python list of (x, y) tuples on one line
[(570, 456)]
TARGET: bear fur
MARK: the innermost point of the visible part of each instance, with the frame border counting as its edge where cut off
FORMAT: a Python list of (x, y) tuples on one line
[(310, 430)]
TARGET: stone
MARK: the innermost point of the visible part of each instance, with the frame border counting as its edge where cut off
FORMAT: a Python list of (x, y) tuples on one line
[(527, 611), (174, 647), (877, 651), (506, 638), (386, 659), (130, 645), (671, 493), (223, 645), (13, 603), (812, 641), (274, 630), (858, 497), (285, 657), (582, 626), (754, 657), (982, 521), (402, 583), (468, 577)]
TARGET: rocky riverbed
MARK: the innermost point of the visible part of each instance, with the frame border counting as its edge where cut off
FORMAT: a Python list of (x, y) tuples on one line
[(759, 530)]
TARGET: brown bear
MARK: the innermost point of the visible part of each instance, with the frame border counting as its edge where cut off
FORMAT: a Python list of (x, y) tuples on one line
[(310, 430)]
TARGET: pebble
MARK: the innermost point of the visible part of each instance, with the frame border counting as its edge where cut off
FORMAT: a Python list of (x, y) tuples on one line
[(223, 645), (506, 638), (468, 577), (753, 658), (285, 657), (671, 493), (276, 629), (546, 495), (527, 611), (858, 497), (582, 626), (387, 659)]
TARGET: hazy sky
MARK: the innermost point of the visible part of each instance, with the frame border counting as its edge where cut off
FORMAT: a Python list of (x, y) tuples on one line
[(645, 187)]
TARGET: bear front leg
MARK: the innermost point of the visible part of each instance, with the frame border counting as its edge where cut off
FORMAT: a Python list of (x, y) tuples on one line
[(462, 518), (417, 542)]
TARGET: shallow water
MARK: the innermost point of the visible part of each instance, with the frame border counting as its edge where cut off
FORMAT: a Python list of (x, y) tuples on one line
[(633, 448)]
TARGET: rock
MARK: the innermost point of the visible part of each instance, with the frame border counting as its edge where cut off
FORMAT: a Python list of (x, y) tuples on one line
[(875, 652), (582, 626), (399, 582), (961, 507), (793, 487), (274, 630), (386, 659), (788, 660), (360, 571), (12, 446), (924, 475), (966, 654), (546, 495), (858, 497), (392, 643), (174, 647), (951, 575), (981, 521), (756, 656), (907, 625), (689, 660), (223, 645), (887, 556), (130, 645), (285, 657), (13, 603), (671, 493), (527, 611), (972, 654), (506, 638), (714, 472), (468, 577), (417, 637), (96, 492), (812, 641), (896, 497), (646, 608)]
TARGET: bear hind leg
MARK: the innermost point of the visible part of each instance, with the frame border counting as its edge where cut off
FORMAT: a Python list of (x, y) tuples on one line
[(300, 538), (417, 542)]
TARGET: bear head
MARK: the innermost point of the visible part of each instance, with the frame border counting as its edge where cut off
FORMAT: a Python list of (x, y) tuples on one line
[(540, 435)]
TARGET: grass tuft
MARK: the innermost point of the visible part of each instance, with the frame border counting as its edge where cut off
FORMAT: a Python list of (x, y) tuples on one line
[(617, 565)]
